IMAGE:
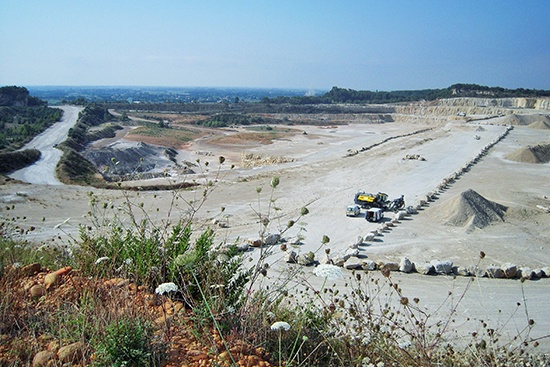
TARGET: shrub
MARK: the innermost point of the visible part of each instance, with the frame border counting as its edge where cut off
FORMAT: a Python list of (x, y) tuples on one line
[(127, 342)]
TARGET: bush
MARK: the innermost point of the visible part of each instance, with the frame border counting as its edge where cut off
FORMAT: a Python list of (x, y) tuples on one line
[(12, 161), (127, 342)]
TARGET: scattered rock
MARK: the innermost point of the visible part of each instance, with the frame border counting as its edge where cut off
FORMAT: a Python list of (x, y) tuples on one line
[(306, 259), (442, 267), (42, 358), (391, 266), (291, 257), (424, 269), (369, 237), (353, 264), (368, 265), (510, 270), (494, 271), (37, 291), (272, 239), (406, 266), (71, 353), (51, 280), (31, 269), (525, 273)]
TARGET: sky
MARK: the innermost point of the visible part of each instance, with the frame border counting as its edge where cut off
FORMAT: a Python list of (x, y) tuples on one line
[(358, 44)]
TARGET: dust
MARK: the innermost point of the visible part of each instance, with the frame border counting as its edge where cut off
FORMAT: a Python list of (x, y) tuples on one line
[(471, 210), (539, 153)]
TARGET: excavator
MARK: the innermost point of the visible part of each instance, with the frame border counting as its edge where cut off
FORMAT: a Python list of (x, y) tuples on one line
[(380, 200)]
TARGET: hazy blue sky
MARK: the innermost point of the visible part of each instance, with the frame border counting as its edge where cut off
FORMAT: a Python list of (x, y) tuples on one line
[(359, 44)]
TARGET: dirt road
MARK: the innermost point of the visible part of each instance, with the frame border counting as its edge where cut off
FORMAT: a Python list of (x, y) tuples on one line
[(43, 171)]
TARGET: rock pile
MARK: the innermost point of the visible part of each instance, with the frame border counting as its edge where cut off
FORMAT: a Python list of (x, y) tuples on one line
[(471, 210), (249, 160), (539, 153)]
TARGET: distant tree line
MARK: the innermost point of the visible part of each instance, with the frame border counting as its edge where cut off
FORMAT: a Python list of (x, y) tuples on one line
[(342, 95), (229, 119), (337, 100)]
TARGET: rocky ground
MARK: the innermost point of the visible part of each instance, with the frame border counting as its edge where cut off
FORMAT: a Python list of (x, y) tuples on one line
[(323, 168)]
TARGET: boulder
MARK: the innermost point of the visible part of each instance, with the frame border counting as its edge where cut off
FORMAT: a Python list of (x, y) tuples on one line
[(353, 264), (442, 267), (411, 210), (424, 268), (243, 247), (306, 259), (510, 270), (400, 215), (463, 271), (546, 271), (339, 260), (272, 239), (391, 266), (494, 271), (254, 243), (477, 271), (406, 266), (351, 252), (368, 265), (369, 237), (526, 273), (291, 257)]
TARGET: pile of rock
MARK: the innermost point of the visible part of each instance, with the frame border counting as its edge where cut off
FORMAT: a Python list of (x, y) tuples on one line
[(417, 157)]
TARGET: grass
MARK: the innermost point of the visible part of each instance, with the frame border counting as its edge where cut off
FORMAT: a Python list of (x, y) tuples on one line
[(221, 307)]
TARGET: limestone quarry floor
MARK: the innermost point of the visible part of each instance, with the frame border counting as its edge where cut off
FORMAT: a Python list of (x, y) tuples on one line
[(325, 180)]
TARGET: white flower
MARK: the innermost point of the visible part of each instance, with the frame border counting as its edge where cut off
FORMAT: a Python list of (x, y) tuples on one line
[(128, 261), (166, 288), (328, 271), (280, 325), (102, 259)]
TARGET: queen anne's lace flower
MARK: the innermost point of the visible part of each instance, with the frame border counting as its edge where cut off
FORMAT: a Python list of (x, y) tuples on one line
[(280, 325), (166, 288), (328, 271)]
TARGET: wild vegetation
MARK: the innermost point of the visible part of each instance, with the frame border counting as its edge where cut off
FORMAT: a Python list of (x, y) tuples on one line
[(73, 167), (18, 125), (132, 292), (12, 161)]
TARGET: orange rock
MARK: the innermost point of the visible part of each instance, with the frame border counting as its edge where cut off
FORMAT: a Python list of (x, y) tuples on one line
[(64, 271)]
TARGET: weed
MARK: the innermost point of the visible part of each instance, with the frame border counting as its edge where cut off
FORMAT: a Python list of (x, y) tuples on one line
[(127, 342)]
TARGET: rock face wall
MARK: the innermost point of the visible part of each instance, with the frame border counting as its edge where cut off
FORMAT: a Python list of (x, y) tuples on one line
[(464, 108), (532, 103)]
